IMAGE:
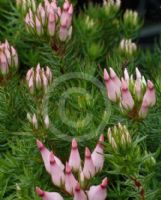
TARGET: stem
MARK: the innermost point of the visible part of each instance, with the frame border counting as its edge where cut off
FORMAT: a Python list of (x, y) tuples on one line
[(140, 187)]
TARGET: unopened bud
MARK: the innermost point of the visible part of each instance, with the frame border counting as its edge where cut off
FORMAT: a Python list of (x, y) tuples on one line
[(46, 121), (34, 121)]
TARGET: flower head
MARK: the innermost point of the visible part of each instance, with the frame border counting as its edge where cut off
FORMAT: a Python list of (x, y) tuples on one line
[(135, 96), (64, 178), (8, 59), (48, 19)]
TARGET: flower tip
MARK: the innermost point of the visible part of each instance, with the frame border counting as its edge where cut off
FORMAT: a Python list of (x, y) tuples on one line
[(40, 145), (104, 182), (39, 192), (101, 139), (138, 74), (112, 73), (87, 152), (150, 84), (70, 11), (38, 67), (106, 75), (74, 144)]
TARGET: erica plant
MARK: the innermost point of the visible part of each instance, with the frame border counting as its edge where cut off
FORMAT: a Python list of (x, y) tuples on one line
[(74, 178)]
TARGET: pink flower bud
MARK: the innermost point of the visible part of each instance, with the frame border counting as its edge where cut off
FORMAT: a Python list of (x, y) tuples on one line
[(7, 46), (27, 19), (70, 181), (48, 74), (42, 15), (126, 75), (69, 16), (66, 5), (63, 33), (38, 80), (144, 109), (51, 24), (48, 195), (38, 68), (98, 192), (3, 64), (98, 154), (138, 88), (31, 85), (112, 90), (63, 17), (79, 193), (54, 5), (45, 81), (115, 79), (46, 2), (126, 98), (89, 168), (45, 153), (138, 74), (38, 26), (74, 159), (29, 74), (149, 95), (8, 56), (57, 173), (59, 11)]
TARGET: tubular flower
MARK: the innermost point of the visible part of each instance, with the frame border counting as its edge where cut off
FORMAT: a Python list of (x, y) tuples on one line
[(135, 96), (64, 178), (98, 154), (98, 192), (8, 59), (48, 195), (89, 168), (74, 159), (50, 20)]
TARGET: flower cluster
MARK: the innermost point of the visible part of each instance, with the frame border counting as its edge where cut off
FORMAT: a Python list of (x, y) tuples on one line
[(38, 79), (109, 3), (34, 121), (25, 5), (8, 59), (131, 17), (119, 137), (135, 96), (49, 19), (127, 46), (73, 178)]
